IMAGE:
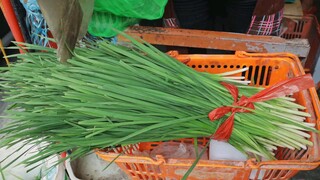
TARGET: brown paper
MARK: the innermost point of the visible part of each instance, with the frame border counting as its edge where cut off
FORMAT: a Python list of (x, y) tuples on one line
[(87, 9), (67, 22)]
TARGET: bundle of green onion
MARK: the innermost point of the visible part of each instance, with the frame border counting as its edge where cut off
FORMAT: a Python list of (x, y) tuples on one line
[(109, 95)]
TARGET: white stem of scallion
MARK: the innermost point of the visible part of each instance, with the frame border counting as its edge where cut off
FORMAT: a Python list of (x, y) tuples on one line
[(233, 72), (303, 134), (289, 116), (237, 81), (285, 110), (234, 77)]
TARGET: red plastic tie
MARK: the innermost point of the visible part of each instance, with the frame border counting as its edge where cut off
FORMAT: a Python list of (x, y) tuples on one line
[(245, 104)]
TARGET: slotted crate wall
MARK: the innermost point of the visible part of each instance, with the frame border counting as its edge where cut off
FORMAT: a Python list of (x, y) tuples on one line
[(306, 27), (260, 73)]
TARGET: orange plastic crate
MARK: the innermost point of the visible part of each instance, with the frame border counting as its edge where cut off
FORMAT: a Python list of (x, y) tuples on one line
[(306, 27), (264, 70)]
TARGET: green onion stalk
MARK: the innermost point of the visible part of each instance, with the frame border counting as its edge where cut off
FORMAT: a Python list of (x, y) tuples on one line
[(110, 95)]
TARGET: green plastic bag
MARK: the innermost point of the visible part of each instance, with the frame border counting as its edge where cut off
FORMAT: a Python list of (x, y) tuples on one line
[(102, 24), (142, 9)]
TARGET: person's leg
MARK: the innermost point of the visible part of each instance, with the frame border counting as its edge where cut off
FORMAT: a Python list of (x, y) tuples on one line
[(219, 14), (193, 14), (239, 15), (231, 16)]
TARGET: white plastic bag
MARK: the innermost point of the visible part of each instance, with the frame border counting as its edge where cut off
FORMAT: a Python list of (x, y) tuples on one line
[(220, 150)]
